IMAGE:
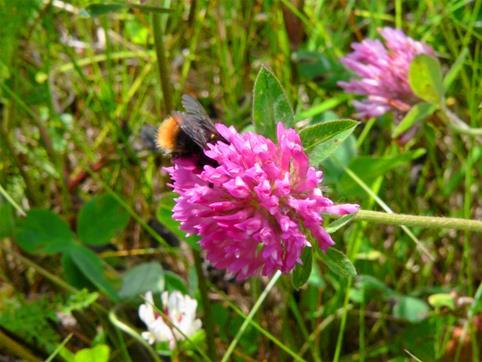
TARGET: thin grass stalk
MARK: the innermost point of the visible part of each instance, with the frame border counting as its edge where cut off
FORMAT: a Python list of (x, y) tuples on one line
[(59, 348), (299, 319), (263, 331), (339, 341), (161, 62), (120, 325), (250, 316), (16, 348), (208, 322)]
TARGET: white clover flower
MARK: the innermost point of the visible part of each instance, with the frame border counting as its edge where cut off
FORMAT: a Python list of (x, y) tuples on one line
[(181, 312), (66, 319)]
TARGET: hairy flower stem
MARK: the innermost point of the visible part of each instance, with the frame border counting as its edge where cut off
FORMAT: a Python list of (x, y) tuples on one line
[(208, 323), (419, 221), (457, 124), (161, 62)]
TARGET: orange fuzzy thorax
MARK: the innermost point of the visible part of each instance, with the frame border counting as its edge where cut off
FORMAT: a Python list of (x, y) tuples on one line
[(167, 134)]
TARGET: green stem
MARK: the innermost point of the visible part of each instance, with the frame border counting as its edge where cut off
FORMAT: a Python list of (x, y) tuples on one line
[(59, 348), (387, 209), (53, 278), (16, 348), (48, 275), (131, 332), (250, 316), (263, 331), (161, 62), (208, 322), (361, 331), (304, 332), (339, 340), (457, 124), (77, 64), (12, 202), (432, 222)]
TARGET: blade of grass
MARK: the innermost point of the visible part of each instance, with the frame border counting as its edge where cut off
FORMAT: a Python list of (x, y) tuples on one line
[(250, 316), (339, 340), (53, 278), (132, 332), (11, 201), (299, 319), (320, 108), (186, 65), (59, 348), (161, 62), (263, 331), (119, 199), (99, 58), (206, 304), (16, 348)]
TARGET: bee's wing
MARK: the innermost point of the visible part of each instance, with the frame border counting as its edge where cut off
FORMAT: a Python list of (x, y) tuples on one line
[(197, 124), (199, 129), (192, 106)]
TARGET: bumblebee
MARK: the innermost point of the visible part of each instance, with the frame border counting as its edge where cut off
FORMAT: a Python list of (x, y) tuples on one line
[(185, 134)]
